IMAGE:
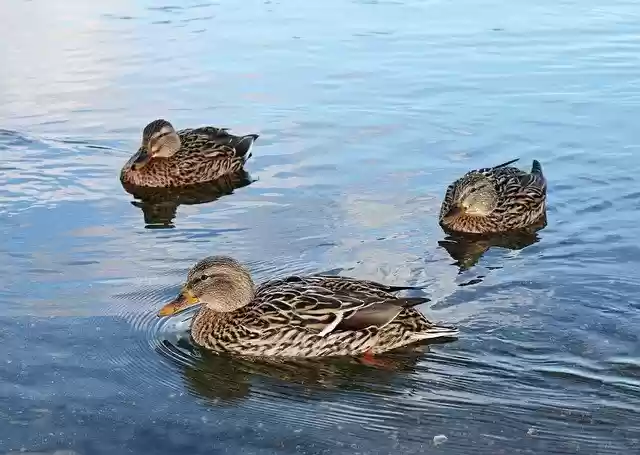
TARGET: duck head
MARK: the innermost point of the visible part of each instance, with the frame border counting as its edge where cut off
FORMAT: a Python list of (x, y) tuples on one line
[(475, 195), (159, 140), (218, 282)]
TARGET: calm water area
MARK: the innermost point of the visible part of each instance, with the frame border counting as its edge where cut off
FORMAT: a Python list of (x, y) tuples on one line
[(366, 111)]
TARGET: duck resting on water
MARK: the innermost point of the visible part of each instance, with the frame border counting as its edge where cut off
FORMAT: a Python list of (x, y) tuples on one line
[(169, 158), (298, 316), (495, 200)]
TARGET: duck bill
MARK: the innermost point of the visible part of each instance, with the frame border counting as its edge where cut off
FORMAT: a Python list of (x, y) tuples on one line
[(143, 158), (454, 212), (186, 299)]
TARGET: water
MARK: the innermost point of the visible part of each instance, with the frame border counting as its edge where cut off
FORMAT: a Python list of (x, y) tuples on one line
[(366, 110)]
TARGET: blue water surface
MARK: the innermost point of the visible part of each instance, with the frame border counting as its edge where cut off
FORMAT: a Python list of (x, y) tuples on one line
[(366, 111)]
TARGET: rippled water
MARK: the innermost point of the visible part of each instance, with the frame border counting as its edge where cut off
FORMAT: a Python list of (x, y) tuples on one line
[(366, 110)]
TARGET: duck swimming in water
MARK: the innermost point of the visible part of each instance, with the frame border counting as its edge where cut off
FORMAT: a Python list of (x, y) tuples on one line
[(169, 158), (298, 316), (495, 200)]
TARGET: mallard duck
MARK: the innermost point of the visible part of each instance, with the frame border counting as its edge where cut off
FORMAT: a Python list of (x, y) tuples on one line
[(298, 316), (493, 200), (170, 158)]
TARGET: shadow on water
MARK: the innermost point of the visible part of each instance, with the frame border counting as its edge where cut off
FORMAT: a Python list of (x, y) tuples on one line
[(467, 249), (159, 205), (221, 379)]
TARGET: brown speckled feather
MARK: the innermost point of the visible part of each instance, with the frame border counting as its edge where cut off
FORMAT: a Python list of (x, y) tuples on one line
[(521, 200), (318, 316), (206, 154)]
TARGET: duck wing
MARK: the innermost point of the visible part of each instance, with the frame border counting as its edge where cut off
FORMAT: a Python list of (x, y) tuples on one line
[(522, 190), (355, 285), (216, 141), (326, 304), (533, 182)]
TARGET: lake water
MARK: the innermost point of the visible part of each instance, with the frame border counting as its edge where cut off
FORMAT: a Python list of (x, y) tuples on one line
[(366, 111)]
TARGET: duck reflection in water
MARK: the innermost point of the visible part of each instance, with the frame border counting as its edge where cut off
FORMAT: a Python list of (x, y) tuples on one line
[(159, 205), (467, 249), (221, 379)]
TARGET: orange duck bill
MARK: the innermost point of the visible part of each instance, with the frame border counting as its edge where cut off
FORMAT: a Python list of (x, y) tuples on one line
[(186, 299)]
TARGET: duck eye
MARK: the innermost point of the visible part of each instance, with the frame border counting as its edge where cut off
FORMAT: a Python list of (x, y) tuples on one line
[(199, 279)]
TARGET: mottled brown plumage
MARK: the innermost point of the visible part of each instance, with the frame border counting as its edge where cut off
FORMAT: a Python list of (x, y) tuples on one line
[(298, 316), (167, 158), (495, 200)]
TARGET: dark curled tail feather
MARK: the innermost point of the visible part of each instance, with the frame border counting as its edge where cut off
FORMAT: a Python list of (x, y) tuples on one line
[(536, 167), (243, 146)]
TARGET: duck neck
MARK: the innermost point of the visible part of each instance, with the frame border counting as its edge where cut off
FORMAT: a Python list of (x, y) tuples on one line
[(205, 323), (471, 224)]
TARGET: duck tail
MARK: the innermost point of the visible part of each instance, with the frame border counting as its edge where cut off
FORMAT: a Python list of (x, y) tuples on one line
[(505, 164), (536, 167), (436, 331), (409, 302), (244, 144), (393, 289)]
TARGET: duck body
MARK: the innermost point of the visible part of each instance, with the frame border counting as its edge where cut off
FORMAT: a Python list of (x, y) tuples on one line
[(310, 317), (204, 155), (314, 316), (494, 200)]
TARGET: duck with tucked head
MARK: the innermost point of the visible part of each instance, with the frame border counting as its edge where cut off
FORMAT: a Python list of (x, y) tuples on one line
[(495, 200), (170, 158), (298, 316)]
